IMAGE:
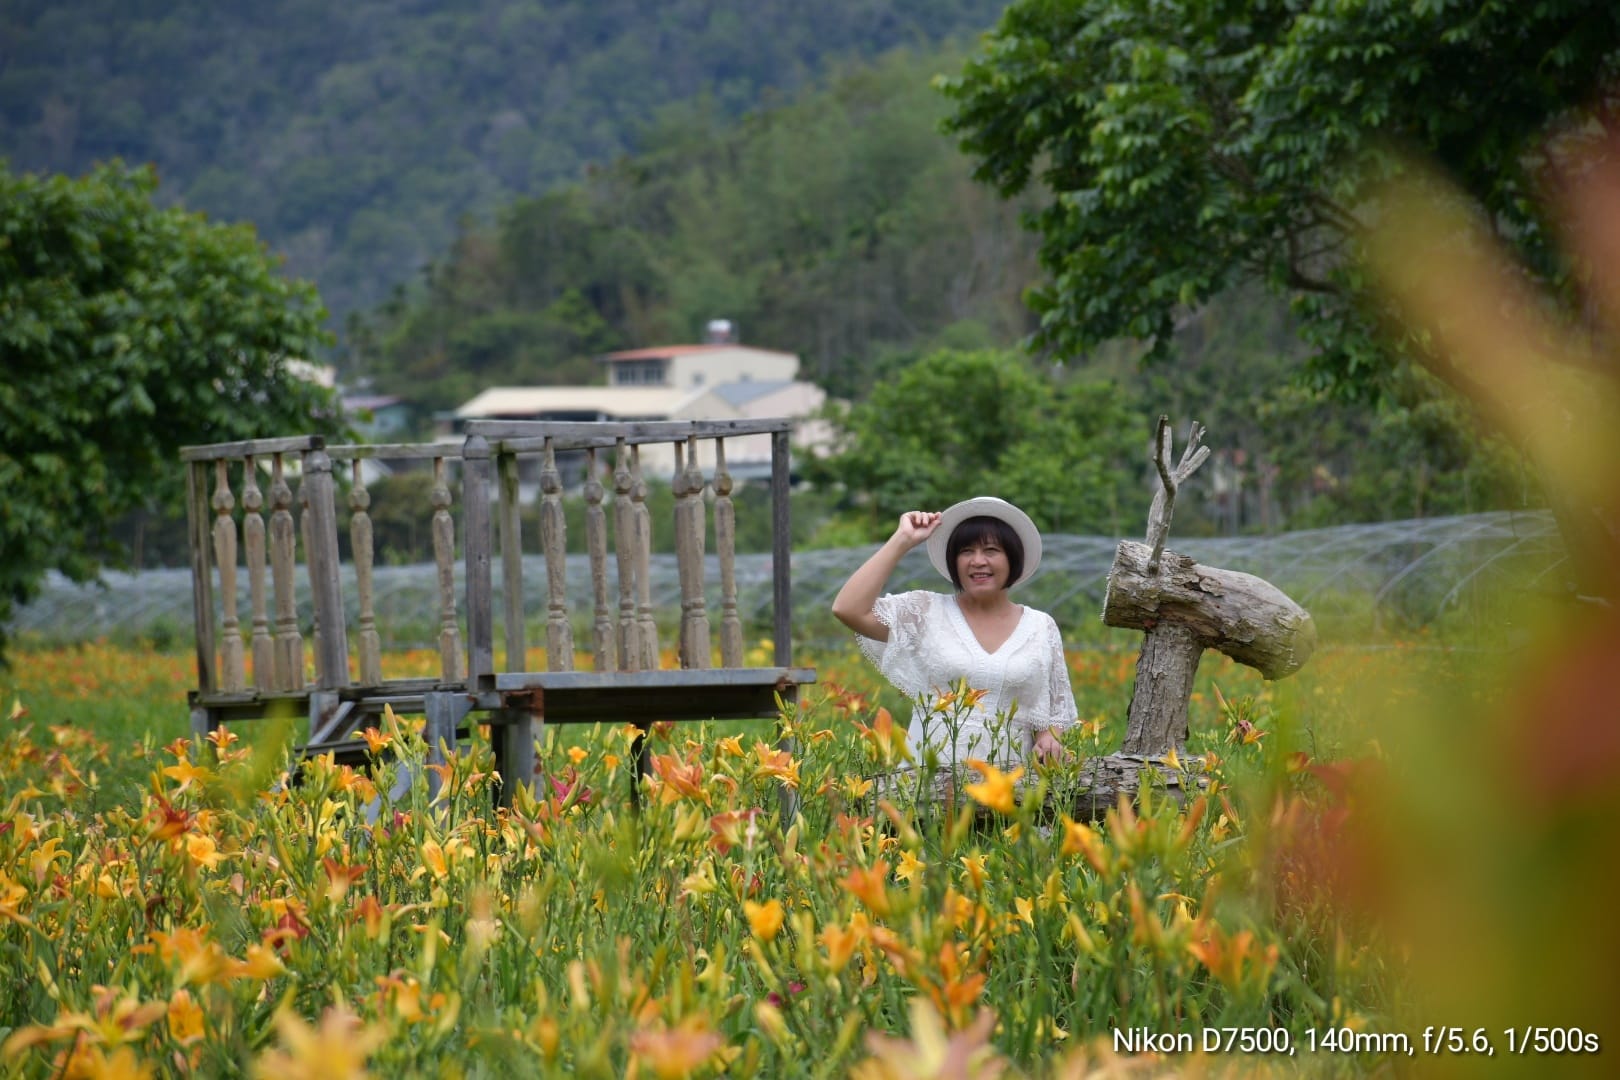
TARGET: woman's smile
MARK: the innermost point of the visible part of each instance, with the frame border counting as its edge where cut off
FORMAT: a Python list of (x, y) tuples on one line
[(982, 568)]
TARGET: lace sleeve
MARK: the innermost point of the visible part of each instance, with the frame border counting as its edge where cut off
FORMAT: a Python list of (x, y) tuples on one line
[(1060, 714), (900, 659)]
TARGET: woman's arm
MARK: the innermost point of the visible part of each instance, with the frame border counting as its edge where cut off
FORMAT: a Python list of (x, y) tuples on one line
[(854, 602)]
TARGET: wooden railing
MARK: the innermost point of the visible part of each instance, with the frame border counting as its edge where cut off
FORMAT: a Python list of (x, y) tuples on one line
[(623, 634), (231, 485)]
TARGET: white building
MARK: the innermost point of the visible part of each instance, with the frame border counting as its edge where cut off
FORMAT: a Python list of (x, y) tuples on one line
[(717, 381)]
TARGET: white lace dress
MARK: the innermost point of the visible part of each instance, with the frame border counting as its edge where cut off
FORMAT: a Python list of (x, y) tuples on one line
[(931, 645)]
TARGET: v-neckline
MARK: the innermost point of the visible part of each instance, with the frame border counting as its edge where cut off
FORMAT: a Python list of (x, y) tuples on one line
[(967, 629)]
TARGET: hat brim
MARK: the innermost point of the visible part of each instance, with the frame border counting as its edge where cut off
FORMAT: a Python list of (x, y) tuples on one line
[(986, 506)]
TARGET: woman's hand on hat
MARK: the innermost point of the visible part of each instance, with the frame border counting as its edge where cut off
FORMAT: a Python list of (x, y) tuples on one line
[(916, 526)]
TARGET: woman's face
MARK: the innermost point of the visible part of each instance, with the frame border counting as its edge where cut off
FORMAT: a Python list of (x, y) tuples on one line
[(982, 568)]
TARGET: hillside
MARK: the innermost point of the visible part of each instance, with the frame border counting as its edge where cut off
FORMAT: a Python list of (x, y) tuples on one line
[(356, 135)]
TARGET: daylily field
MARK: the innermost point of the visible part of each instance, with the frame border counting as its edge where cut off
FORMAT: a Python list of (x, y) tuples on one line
[(169, 908)]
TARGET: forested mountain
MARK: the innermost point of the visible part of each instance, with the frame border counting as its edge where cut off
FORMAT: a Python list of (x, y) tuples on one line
[(355, 135), (842, 226)]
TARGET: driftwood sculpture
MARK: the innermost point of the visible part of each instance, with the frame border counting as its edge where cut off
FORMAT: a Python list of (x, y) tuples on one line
[(1182, 609)]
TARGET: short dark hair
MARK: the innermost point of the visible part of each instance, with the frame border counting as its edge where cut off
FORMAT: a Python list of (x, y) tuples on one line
[(977, 530)]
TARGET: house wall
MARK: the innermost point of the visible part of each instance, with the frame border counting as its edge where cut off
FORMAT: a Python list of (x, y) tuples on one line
[(728, 365)]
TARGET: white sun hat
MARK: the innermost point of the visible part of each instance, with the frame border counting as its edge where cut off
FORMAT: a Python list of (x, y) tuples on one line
[(986, 506)]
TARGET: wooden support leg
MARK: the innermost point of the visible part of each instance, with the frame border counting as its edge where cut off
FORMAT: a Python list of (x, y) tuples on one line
[(202, 722), (638, 754), (444, 715), (514, 732)]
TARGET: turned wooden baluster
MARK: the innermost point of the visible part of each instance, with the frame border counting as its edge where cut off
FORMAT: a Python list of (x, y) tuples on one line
[(554, 543), (624, 529), (288, 663), (725, 544), (596, 541), (444, 555), (230, 674), (646, 628), (305, 523), (264, 663), (360, 540), (690, 529)]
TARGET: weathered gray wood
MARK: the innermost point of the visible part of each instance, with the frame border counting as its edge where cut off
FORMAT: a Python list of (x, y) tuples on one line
[(1170, 481), (361, 544), (577, 435), (624, 531), (687, 485), (332, 644), (647, 630), (1164, 680), (444, 556), (309, 569), (253, 541), (394, 451), (725, 545), (514, 732), (782, 591), (258, 447), (604, 651), (289, 643), (231, 676), (781, 549), (476, 481), (444, 715), (554, 544), (1246, 617), (510, 508), (202, 584)]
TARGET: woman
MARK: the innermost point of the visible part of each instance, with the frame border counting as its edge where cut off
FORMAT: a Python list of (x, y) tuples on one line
[(923, 641)]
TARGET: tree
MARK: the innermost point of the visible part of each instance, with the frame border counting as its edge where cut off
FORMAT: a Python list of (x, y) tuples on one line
[(955, 424), (127, 331), (1189, 145)]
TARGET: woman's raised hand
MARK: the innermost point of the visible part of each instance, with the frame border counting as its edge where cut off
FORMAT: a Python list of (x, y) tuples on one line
[(916, 526)]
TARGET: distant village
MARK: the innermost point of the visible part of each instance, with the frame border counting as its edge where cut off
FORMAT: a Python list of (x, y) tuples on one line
[(719, 379)]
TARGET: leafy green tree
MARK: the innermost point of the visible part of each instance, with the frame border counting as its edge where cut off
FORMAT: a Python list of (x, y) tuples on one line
[(127, 331), (955, 424), (1186, 146)]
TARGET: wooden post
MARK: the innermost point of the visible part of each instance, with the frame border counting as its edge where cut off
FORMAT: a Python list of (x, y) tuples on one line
[(202, 585), (475, 485), (554, 542), (320, 520), (231, 676), (782, 595), (648, 630), (781, 549), (690, 532), (289, 643), (315, 630), (264, 662), (511, 525), (725, 543), (624, 531), (596, 541), (361, 542), (444, 555)]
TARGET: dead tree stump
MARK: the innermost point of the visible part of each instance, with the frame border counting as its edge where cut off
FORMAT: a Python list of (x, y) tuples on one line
[(1182, 609)]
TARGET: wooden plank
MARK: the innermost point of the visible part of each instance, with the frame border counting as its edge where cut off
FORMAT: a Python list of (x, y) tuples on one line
[(332, 666), (530, 435), (395, 451), (781, 549), (202, 586), (293, 444), (510, 510), (692, 679), (476, 543)]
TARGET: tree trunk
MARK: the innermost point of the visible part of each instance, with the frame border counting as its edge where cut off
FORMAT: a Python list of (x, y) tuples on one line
[(1164, 680)]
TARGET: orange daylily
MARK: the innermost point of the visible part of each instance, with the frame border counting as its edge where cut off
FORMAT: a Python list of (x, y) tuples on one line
[(996, 791)]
